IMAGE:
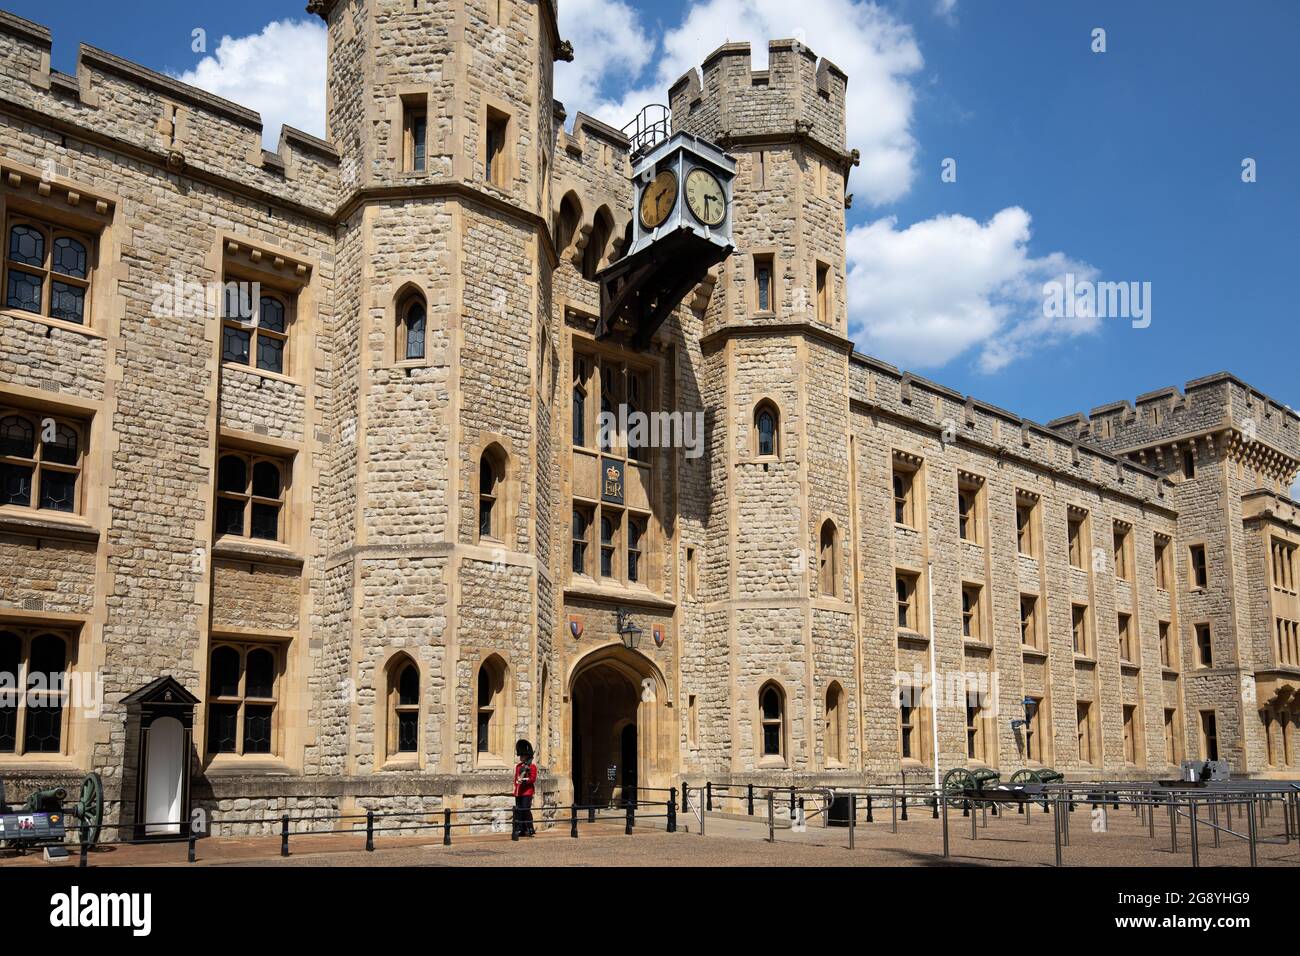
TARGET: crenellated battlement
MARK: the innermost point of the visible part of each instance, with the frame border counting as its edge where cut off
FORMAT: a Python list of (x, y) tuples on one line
[(588, 133), (883, 388), (798, 97), (1171, 416), (154, 117)]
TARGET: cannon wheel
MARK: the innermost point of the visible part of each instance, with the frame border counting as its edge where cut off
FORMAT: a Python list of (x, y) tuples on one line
[(90, 807), (1024, 776), (958, 782)]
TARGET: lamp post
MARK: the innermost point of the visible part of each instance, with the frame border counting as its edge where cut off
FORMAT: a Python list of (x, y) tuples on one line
[(628, 630), (1029, 704)]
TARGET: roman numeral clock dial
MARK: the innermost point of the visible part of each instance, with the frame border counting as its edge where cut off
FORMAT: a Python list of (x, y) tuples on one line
[(658, 199), (705, 198)]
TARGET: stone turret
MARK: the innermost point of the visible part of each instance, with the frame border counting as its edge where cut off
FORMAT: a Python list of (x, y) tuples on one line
[(1162, 424), (444, 116), (775, 345), (424, 91), (797, 96)]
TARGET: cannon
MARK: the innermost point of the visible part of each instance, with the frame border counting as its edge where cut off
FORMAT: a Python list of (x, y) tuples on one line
[(41, 820), (1029, 784), (960, 782), (1041, 775)]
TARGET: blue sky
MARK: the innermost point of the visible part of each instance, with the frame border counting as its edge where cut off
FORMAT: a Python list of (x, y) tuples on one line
[(1123, 165)]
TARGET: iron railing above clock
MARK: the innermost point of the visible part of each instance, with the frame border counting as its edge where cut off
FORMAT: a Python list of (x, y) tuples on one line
[(652, 126)]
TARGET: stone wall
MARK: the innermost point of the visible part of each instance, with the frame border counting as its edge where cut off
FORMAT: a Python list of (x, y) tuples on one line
[(382, 559)]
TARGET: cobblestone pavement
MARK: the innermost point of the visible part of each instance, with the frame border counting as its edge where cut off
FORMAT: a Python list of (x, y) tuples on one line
[(1119, 839)]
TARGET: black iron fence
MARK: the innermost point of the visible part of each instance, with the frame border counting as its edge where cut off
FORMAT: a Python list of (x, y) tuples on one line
[(1233, 812), (1249, 814), (641, 809)]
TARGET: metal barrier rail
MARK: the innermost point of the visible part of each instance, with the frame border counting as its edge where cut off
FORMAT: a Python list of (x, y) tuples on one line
[(1196, 807), (1199, 806), (629, 812)]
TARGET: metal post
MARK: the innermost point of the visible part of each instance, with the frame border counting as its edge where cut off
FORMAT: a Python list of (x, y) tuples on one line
[(1196, 847), (708, 796), (370, 831), (870, 818), (1295, 813), (1173, 825), (792, 804), (974, 820), (771, 817), (84, 850), (893, 810), (284, 835), (573, 821), (750, 799), (686, 791), (672, 816), (1151, 815), (934, 805), (1250, 819), (1295, 817), (631, 817), (446, 826), (904, 817), (853, 817), (1065, 824), (591, 813), (189, 853), (945, 827), (1214, 820), (1056, 829)]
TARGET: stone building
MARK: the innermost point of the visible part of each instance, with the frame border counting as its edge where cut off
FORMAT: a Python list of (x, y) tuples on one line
[(315, 433)]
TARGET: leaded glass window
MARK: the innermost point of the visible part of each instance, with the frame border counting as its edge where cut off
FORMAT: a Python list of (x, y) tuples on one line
[(250, 496), (47, 270), (40, 461)]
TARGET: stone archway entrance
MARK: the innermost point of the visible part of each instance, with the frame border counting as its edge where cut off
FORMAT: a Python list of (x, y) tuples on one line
[(613, 702)]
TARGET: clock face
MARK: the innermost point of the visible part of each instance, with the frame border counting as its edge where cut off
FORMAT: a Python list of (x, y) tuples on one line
[(705, 198), (658, 199)]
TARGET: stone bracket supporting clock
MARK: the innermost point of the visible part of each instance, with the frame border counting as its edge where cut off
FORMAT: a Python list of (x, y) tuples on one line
[(681, 228)]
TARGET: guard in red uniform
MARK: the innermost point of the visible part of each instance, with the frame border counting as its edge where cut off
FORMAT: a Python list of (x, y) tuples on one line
[(525, 787)]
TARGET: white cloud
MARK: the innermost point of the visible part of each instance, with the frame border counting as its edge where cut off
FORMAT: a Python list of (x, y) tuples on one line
[(924, 295), (878, 52), (608, 37), (279, 72)]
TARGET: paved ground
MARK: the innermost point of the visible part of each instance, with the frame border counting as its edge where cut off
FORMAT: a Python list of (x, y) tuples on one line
[(739, 841)]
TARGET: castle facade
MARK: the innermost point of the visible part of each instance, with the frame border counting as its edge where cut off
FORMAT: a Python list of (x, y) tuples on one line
[(315, 433)]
